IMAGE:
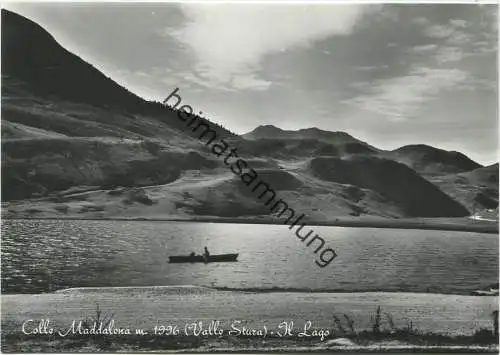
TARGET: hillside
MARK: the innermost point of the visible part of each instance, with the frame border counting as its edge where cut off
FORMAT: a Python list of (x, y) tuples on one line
[(36, 64), (76, 144), (477, 189), (292, 148), (34, 57), (308, 142), (428, 160), (65, 124), (416, 196), (273, 132)]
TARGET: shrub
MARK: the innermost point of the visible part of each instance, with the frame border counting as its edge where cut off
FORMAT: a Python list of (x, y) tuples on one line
[(62, 208), (117, 192), (139, 196), (152, 147), (95, 208)]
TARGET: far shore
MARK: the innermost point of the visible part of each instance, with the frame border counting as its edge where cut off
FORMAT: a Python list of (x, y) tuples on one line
[(463, 224)]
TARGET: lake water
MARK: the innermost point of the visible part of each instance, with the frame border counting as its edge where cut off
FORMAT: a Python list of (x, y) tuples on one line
[(42, 256)]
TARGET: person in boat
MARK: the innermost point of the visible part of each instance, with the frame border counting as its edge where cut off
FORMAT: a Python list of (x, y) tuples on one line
[(192, 253), (206, 254)]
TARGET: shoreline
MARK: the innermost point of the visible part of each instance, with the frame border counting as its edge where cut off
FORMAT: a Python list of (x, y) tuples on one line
[(442, 223), (393, 342), (251, 290)]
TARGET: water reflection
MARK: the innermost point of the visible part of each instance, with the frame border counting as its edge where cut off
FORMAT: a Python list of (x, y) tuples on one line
[(39, 256)]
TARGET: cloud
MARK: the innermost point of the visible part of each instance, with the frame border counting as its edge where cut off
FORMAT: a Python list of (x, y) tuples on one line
[(449, 54), (485, 47), (458, 23), (229, 41), (485, 84), (372, 67), (424, 48), (402, 97), (439, 31), (422, 21), (455, 41), (451, 32), (435, 67), (459, 37), (249, 81)]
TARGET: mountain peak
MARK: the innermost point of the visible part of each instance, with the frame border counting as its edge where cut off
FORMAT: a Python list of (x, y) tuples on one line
[(38, 60), (311, 133), (427, 159), (269, 127), (311, 129)]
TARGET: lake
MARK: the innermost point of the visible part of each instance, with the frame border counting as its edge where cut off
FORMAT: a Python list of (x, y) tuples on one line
[(47, 255)]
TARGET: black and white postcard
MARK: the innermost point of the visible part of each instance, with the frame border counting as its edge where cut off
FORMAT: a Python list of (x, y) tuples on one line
[(249, 177)]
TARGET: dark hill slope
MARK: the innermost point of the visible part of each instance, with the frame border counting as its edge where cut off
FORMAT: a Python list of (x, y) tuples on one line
[(477, 189), (32, 61), (32, 55), (296, 148), (432, 161), (415, 195)]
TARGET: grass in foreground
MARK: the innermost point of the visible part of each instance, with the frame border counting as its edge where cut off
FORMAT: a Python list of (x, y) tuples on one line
[(381, 336)]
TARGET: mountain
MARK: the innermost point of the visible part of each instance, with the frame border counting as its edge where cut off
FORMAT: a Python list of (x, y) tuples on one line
[(65, 124), (428, 160), (476, 189), (273, 132), (307, 142), (36, 64), (35, 58), (416, 196), (76, 144)]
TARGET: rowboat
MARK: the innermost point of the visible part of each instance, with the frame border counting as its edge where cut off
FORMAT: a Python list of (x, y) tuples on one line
[(203, 258)]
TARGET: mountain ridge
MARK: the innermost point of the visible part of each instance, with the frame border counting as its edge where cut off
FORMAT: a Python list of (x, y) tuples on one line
[(97, 150), (427, 159), (273, 132), (36, 61)]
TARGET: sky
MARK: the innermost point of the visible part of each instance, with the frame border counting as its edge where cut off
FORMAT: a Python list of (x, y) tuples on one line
[(388, 74)]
